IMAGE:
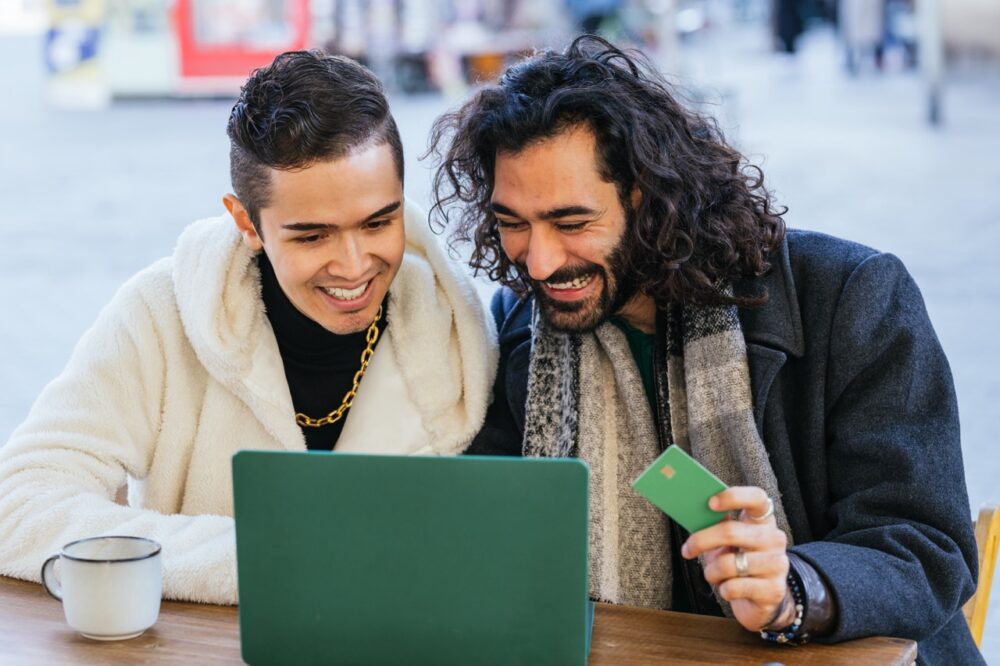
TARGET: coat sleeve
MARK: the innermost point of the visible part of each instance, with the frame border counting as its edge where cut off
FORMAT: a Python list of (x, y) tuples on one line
[(901, 557), (93, 426)]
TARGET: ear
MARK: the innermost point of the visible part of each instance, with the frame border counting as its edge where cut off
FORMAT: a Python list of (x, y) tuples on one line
[(242, 219), (635, 197)]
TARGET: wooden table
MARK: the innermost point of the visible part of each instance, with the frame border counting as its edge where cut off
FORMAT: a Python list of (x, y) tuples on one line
[(33, 631)]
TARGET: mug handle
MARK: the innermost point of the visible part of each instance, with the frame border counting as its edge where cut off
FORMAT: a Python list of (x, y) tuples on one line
[(48, 570)]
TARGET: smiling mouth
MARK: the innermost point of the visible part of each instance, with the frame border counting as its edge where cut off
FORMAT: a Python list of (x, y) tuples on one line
[(346, 294), (573, 285)]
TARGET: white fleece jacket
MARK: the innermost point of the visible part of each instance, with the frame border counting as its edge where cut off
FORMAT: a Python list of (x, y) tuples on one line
[(181, 370)]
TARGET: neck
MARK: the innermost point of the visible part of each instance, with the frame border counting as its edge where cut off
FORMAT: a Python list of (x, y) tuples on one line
[(640, 312)]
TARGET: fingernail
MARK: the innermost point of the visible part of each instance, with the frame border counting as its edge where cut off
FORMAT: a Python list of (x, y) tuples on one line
[(713, 503), (685, 549)]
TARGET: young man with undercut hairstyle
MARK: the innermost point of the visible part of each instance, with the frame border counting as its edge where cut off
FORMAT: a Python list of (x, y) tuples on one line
[(320, 313), (652, 296)]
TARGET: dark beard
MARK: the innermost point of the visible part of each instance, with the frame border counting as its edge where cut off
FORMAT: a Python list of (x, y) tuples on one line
[(582, 317)]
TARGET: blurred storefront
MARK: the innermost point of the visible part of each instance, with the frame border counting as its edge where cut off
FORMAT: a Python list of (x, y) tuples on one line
[(97, 50), (220, 41)]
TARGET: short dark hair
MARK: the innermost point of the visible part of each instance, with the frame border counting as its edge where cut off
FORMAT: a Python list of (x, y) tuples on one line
[(305, 107), (704, 214)]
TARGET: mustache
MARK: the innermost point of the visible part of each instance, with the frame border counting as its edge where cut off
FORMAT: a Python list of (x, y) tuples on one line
[(564, 274)]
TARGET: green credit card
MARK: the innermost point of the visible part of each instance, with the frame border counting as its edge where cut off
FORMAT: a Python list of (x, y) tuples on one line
[(681, 487)]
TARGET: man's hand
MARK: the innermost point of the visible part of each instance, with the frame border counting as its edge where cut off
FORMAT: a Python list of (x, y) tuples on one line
[(760, 598)]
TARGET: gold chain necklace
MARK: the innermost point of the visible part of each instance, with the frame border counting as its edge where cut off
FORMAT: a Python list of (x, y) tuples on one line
[(366, 357)]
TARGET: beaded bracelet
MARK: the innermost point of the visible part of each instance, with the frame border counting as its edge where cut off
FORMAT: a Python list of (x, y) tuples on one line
[(790, 634)]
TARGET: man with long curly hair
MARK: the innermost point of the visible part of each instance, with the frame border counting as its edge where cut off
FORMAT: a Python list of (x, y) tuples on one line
[(653, 296)]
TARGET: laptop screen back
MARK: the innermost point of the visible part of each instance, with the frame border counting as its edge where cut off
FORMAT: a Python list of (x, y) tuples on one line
[(357, 559)]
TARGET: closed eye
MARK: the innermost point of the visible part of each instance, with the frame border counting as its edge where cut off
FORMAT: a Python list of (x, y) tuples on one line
[(570, 227), (510, 225), (305, 240), (373, 225)]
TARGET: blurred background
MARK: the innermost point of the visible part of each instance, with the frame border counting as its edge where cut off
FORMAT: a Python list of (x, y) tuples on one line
[(874, 120)]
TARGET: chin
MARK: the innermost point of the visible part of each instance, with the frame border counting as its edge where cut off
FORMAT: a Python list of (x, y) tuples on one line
[(347, 324), (352, 322), (583, 319)]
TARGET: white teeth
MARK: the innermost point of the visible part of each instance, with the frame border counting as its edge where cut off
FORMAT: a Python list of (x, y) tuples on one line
[(346, 294), (578, 283)]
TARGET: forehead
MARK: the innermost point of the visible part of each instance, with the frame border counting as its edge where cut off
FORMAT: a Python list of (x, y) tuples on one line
[(560, 170), (340, 190)]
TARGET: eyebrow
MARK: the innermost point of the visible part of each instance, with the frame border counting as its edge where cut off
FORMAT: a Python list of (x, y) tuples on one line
[(553, 214), (314, 226)]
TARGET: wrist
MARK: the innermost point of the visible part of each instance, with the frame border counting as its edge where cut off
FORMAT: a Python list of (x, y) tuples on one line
[(784, 615), (791, 632)]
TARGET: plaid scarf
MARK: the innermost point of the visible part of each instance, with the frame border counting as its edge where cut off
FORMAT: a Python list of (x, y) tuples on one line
[(586, 399)]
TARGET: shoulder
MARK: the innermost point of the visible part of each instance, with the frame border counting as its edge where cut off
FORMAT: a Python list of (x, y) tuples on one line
[(824, 267), (817, 279), (817, 255), (141, 318), (857, 302), (212, 234), (151, 289), (132, 333), (505, 419)]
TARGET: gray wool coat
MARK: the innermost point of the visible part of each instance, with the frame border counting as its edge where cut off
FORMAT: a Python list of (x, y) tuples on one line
[(854, 401)]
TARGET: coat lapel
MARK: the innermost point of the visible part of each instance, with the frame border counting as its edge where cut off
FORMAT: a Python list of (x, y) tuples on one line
[(773, 331)]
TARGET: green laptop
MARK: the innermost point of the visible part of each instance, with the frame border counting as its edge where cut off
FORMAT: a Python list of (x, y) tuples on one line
[(361, 559)]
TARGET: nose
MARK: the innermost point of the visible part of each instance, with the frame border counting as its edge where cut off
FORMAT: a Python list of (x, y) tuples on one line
[(351, 259), (545, 254)]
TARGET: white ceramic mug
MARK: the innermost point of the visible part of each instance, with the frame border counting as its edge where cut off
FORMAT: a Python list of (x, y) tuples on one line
[(109, 586)]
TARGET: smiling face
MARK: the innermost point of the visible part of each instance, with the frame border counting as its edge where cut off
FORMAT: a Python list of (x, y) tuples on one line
[(564, 225), (333, 231)]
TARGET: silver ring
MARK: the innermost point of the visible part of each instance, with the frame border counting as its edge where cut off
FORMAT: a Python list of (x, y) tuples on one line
[(767, 514), (742, 570)]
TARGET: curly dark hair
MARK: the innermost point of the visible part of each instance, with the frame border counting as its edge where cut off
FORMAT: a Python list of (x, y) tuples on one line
[(703, 216), (305, 107)]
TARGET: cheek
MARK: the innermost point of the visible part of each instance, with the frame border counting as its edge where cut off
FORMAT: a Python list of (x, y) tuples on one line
[(595, 250), (390, 249), (513, 245), (295, 267)]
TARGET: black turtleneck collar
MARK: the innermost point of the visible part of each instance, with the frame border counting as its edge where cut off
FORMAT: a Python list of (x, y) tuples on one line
[(319, 365)]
